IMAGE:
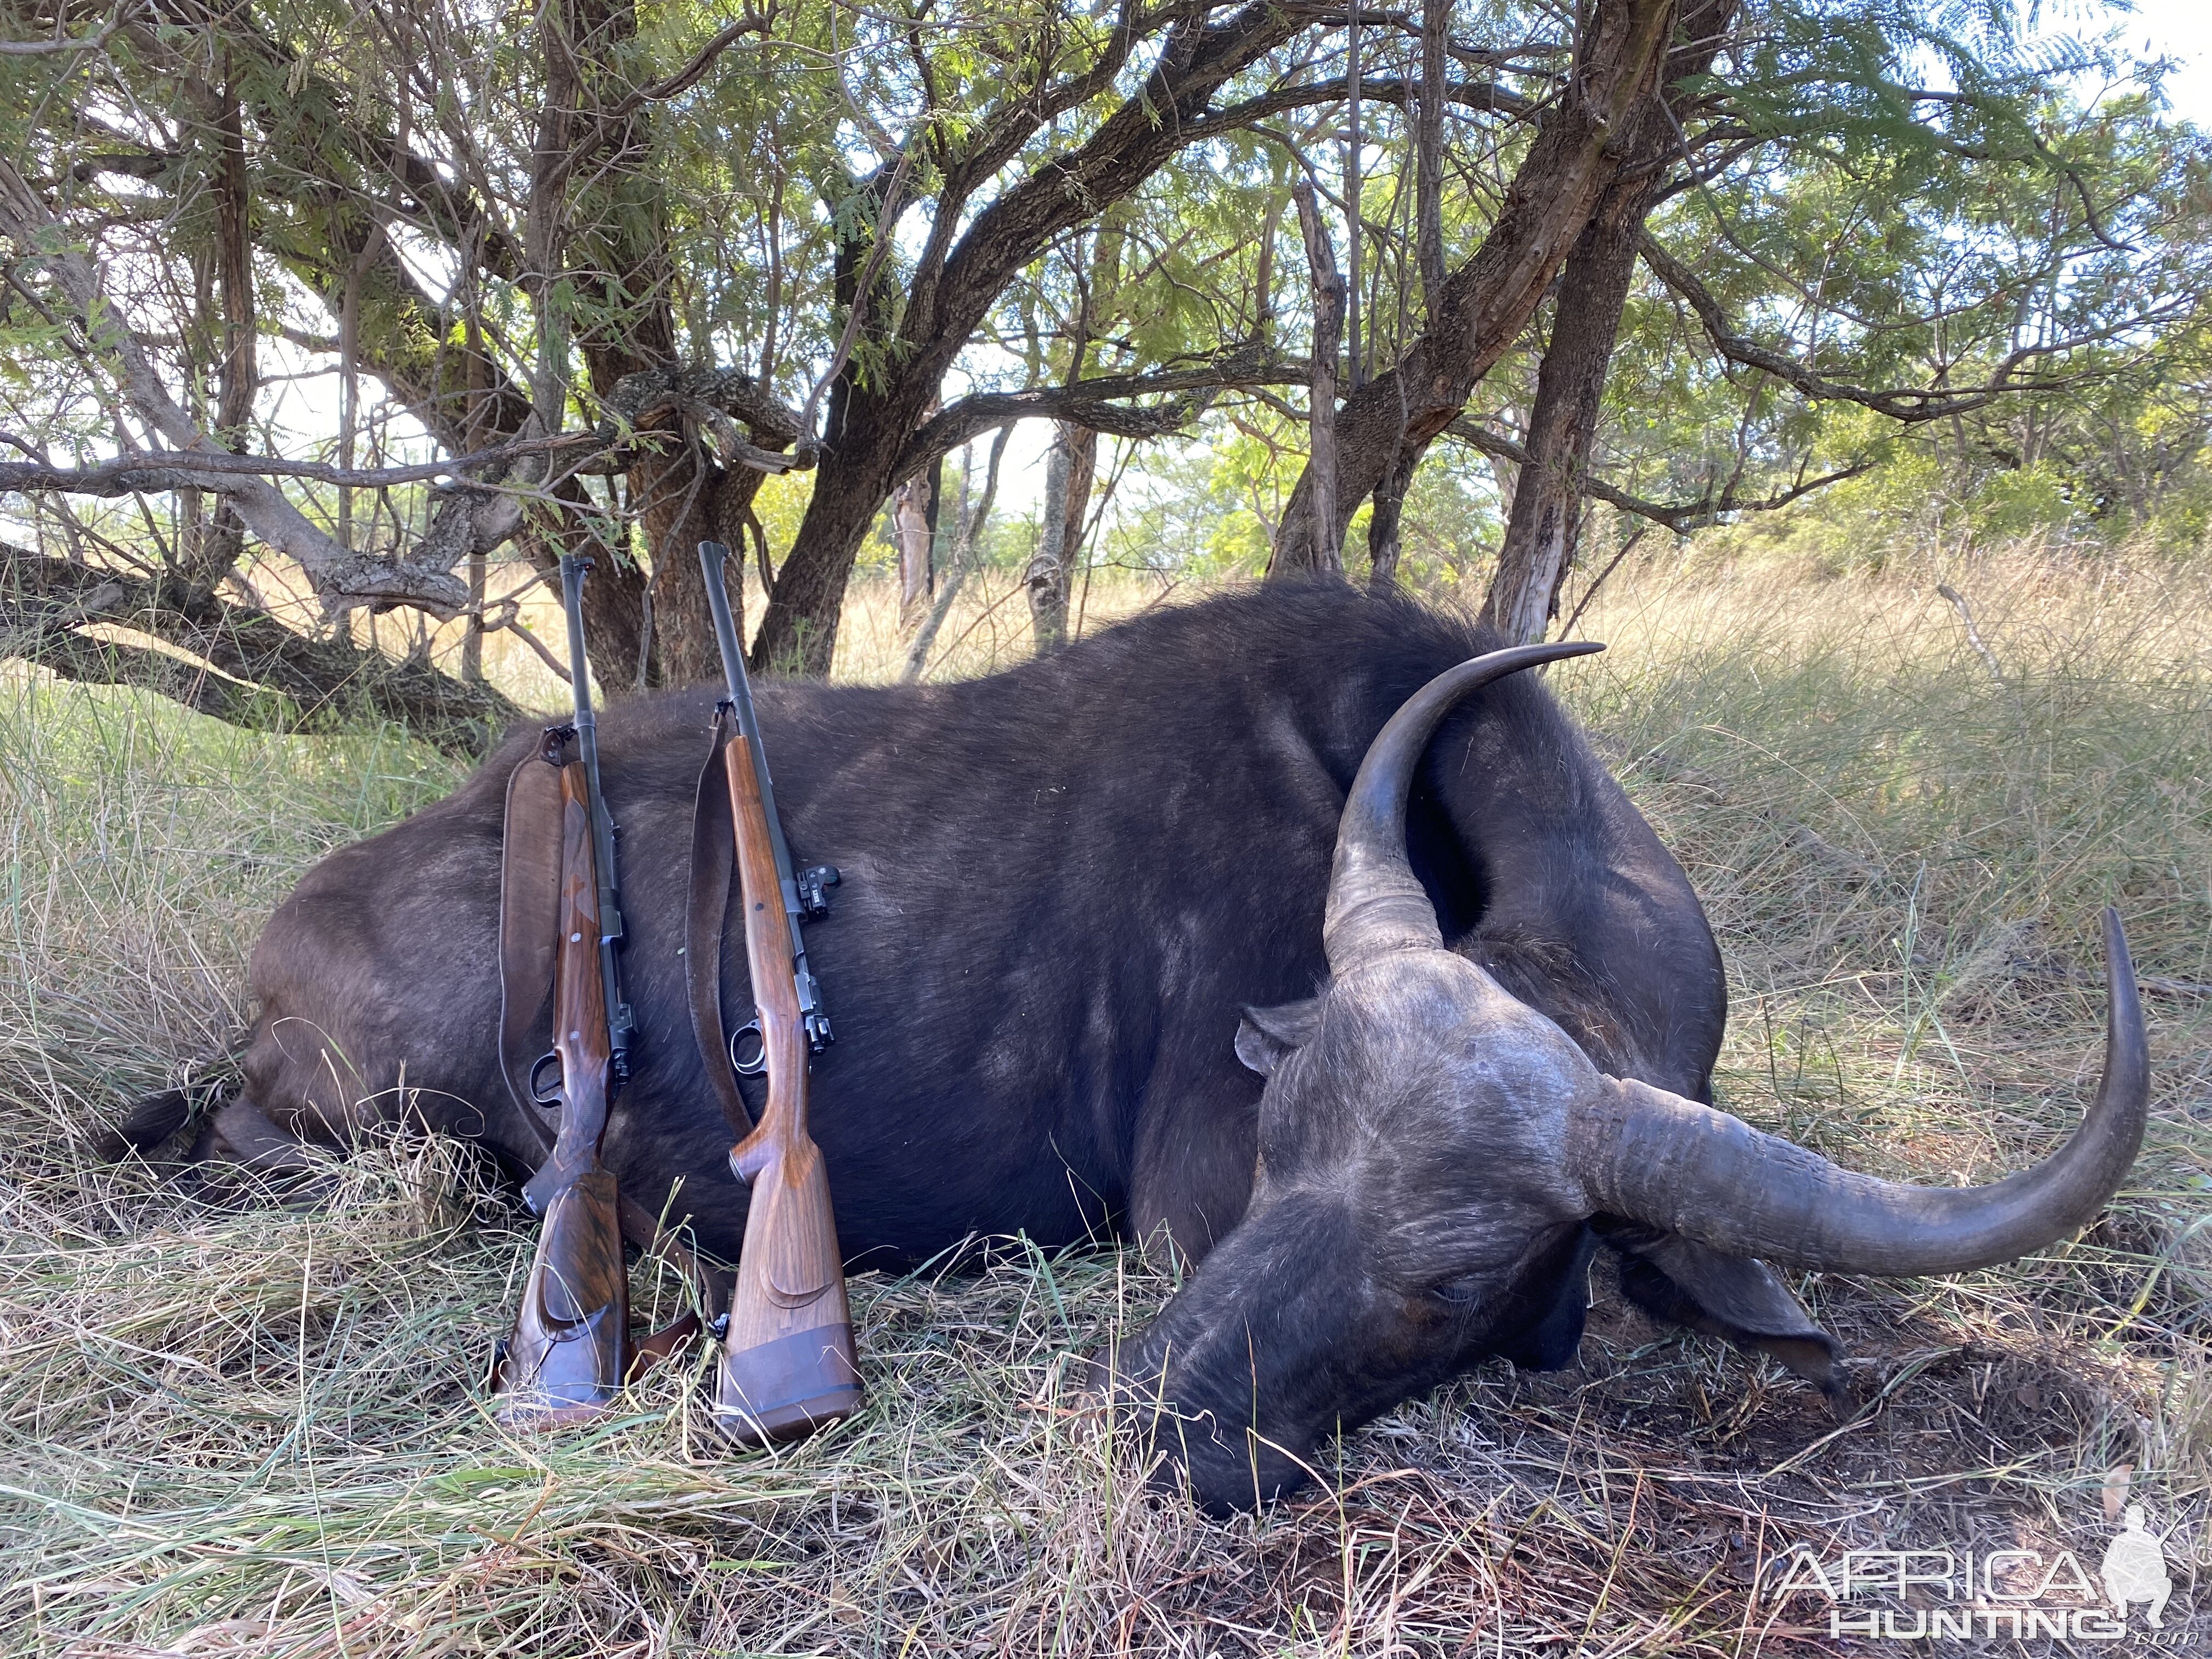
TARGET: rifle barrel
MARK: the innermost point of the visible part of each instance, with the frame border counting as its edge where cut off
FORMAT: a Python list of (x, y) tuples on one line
[(619, 1023), (739, 683), (711, 556)]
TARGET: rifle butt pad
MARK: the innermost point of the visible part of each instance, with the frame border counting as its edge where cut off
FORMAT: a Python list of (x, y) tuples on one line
[(787, 1363), (788, 1387), (571, 1351)]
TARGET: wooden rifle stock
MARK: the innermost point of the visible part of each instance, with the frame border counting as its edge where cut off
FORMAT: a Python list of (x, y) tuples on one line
[(571, 1350), (787, 1366)]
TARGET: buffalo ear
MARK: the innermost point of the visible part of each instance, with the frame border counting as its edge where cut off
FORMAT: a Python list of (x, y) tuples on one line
[(1265, 1037), (1733, 1298)]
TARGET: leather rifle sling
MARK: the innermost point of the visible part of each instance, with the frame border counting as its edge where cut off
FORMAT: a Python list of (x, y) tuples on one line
[(529, 928), (529, 940), (714, 861)]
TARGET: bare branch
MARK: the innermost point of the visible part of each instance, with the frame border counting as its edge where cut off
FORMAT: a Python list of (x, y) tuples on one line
[(341, 577), (856, 314), (1484, 97), (640, 403), (604, 129), (1101, 403), (1681, 517), (1909, 405), (65, 43)]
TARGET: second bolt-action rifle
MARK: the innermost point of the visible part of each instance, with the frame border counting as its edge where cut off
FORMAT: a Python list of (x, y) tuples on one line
[(787, 1366), (571, 1351)]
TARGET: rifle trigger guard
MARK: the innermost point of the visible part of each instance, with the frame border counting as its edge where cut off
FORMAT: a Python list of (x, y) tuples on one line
[(756, 1063), (547, 1095)]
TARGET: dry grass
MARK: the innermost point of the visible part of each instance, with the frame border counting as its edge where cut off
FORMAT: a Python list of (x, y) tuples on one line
[(227, 1425), (987, 627)]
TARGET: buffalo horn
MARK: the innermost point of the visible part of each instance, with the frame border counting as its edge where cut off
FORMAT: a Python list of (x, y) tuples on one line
[(1653, 1157), (1374, 903)]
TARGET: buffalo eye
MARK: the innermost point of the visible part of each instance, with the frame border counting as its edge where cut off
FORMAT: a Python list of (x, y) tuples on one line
[(1457, 1293)]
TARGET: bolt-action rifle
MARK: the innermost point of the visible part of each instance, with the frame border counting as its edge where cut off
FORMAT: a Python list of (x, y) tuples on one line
[(572, 1351), (787, 1366)]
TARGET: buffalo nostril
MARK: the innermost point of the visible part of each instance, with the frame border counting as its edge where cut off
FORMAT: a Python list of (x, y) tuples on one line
[(1225, 1467), (1226, 1480)]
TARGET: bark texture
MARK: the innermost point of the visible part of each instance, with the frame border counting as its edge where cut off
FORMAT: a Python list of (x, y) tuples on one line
[(1325, 550), (252, 670), (1070, 467), (239, 380), (1542, 528), (1386, 523), (911, 509)]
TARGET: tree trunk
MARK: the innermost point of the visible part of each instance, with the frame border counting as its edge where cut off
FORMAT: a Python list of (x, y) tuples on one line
[(864, 429), (1541, 533), (1325, 551), (1070, 466), (965, 536), (798, 630), (1355, 297), (1384, 524), (939, 527), (911, 509), (1545, 519), (958, 279), (683, 498), (240, 380), (1486, 303), (1429, 153)]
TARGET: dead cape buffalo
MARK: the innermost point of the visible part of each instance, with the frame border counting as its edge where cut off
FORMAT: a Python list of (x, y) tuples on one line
[(1147, 936)]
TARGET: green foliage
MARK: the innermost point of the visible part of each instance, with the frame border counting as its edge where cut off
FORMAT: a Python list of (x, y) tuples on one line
[(1897, 194), (1937, 208)]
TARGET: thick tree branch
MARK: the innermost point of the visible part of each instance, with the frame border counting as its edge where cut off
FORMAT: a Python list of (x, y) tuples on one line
[(253, 671), (748, 22), (1021, 117), (473, 518), (1543, 527), (1487, 302), (199, 469), (1196, 60), (61, 42), (1100, 403), (871, 423), (1484, 97)]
